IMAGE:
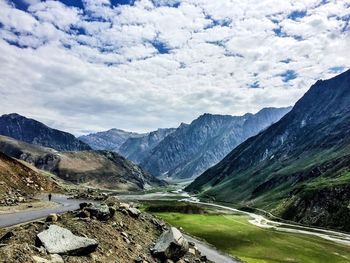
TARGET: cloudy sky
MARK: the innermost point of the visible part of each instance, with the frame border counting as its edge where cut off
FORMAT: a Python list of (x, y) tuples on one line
[(90, 65)]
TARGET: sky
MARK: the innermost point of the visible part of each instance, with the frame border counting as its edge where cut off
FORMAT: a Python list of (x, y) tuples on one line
[(91, 65)]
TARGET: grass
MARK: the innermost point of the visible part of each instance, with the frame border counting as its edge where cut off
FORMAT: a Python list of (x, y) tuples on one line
[(236, 236), (322, 182)]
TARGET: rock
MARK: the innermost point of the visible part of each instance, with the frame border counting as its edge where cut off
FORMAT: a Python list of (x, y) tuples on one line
[(192, 251), (58, 240), (54, 259), (101, 212), (204, 259), (83, 214), (124, 206), (171, 245), (138, 247), (52, 218), (112, 211), (7, 236), (37, 259), (134, 212), (83, 205), (127, 241)]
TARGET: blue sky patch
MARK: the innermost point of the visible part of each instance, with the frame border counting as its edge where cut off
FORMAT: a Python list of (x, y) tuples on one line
[(73, 3), (297, 14), (255, 85), (20, 4), (336, 70), (122, 2), (288, 75), (286, 61), (161, 47), (168, 3), (278, 32)]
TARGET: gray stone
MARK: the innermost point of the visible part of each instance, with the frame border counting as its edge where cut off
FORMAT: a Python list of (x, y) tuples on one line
[(134, 212), (58, 240), (101, 212), (52, 218), (171, 245)]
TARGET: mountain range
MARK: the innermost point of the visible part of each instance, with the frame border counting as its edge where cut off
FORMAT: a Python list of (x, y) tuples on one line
[(31, 131), (108, 140), (193, 148), (298, 168), (103, 169), (137, 148), (187, 151)]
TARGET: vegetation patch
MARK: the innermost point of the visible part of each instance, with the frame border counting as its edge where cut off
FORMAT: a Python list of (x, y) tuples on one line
[(177, 207), (236, 236)]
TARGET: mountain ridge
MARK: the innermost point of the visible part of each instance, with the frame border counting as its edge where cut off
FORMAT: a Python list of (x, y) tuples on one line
[(111, 139), (95, 168), (284, 167), (32, 131), (194, 147)]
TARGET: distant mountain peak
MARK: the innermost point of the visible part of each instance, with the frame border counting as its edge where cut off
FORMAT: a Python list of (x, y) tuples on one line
[(194, 147), (32, 131)]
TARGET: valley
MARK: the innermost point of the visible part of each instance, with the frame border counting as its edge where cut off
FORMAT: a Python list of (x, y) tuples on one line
[(258, 188), (174, 131), (248, 236)]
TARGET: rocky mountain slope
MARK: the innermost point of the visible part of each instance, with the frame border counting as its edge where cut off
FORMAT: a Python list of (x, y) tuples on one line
[(193, 148), (108, 140), (137, 148), (18, 181), (299, 168), (31, 131), (117, 232), (95, 168)]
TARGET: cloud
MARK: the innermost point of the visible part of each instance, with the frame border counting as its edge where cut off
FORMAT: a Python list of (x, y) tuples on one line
[(140, 65)]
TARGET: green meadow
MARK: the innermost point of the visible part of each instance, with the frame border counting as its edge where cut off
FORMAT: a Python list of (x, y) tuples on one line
[(236, 236)]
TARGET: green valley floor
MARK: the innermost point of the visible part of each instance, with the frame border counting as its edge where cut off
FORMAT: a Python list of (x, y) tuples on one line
[(234, 235)]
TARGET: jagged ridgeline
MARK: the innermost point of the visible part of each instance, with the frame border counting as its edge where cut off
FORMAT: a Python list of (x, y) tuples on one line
[(299, 168), (185, 152), (31, 131), (94, 168)]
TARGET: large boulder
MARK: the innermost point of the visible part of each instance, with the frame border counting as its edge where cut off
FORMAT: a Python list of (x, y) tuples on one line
[(171, 245), (101, 212), (58, 240)]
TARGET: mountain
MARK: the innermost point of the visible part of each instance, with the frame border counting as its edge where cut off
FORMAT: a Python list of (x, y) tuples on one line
[(31, 131), (191, 149), (298, 168), (137, 148), (108, 140), (94, 168), (17, 179)]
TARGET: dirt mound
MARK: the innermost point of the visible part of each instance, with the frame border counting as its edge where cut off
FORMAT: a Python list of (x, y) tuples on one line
[(18, 181)]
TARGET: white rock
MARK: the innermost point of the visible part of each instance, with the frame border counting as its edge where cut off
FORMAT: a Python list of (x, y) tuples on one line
[(58, 240), (171, 245)]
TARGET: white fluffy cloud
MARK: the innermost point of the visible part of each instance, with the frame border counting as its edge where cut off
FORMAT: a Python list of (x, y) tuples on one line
[(153, 64)]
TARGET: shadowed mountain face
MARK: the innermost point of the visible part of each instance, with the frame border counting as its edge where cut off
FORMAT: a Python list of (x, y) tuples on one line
[(299, 168), (193, 148), (110, 140), (136, 149), (32, 131), (94, 168)]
